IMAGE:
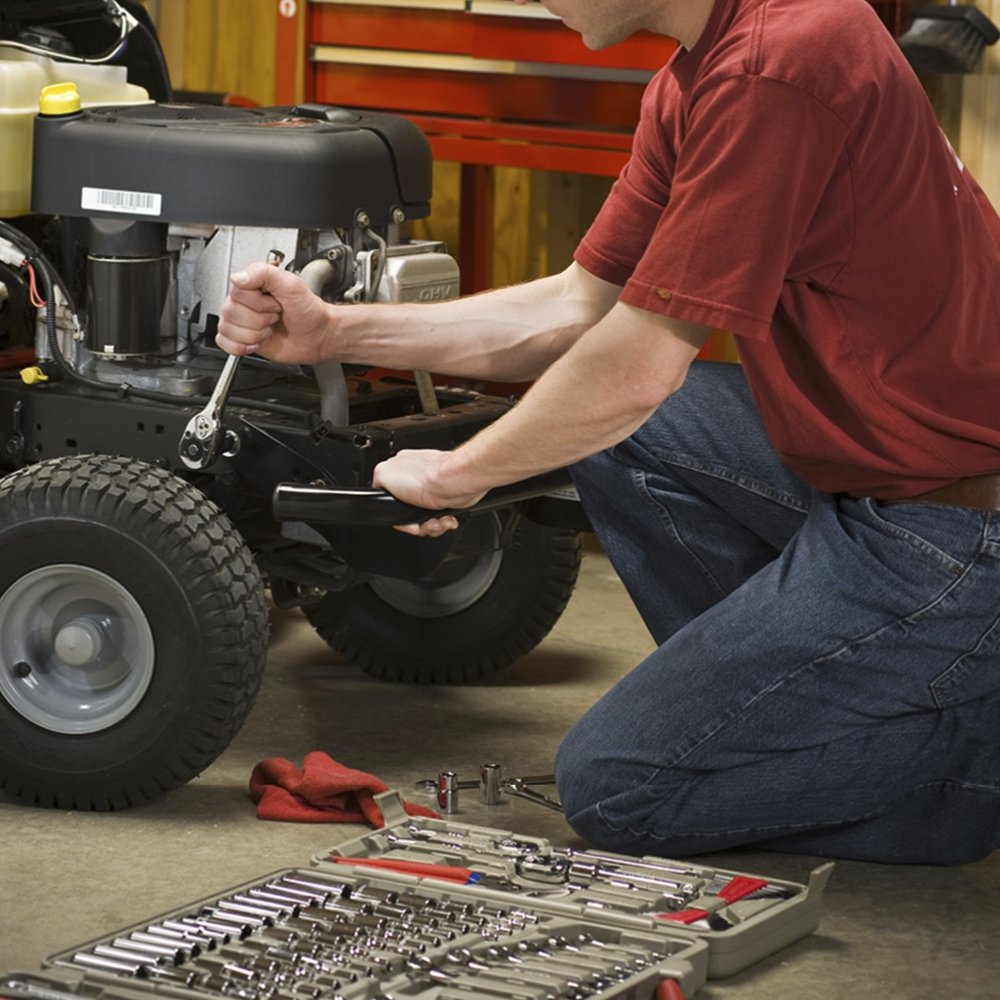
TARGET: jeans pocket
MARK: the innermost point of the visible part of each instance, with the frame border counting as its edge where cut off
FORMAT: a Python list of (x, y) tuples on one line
[(943, 536)]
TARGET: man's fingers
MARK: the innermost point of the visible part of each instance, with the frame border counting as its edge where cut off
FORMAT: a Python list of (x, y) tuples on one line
[(258, 286), (239, 347), (433, 527), (249, 303), (266, 277), (248, 316)]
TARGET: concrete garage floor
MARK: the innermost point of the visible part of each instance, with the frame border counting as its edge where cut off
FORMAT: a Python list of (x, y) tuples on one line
[(66, 878)]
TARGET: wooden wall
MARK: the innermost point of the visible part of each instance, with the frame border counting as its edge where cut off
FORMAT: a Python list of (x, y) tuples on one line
[(979, 136), (228, 46), (968, 108), (225, 46)]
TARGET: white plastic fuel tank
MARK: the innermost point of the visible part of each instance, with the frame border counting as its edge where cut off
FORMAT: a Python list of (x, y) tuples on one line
[(22, 77)]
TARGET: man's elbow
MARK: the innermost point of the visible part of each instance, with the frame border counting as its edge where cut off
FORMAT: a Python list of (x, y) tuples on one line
[(650, 389)]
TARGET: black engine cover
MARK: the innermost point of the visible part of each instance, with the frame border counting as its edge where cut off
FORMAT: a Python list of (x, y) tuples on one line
[(310, 167), (18, 13)]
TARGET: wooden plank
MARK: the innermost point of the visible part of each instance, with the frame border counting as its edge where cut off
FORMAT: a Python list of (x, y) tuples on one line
[(228, 47), (199, 45), (520, 234), (979, 142), (257, 38), (443, 223), (171, 21)]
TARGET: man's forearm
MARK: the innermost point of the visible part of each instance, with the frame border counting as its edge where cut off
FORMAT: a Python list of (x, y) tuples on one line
[(594, 397), (509, 334)]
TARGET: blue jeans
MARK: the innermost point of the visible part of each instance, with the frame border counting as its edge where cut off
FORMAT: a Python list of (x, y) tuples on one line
[(828, 673)]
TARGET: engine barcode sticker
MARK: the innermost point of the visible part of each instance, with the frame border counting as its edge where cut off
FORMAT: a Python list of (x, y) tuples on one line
[(128, 202)]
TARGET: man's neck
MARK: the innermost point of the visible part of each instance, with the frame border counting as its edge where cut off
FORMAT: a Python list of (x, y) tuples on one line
[(686, 21)]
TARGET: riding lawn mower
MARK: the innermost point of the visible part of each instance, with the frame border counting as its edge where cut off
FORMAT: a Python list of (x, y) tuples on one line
[(157, 497)]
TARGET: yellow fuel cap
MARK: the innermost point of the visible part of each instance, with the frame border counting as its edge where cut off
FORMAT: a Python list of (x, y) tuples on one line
[(59, 99), (33, 375)]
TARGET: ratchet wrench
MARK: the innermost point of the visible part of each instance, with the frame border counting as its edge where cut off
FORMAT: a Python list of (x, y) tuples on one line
[(203, 440)]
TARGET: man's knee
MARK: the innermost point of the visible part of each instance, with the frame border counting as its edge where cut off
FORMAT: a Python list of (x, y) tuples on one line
[(580, 782), (608, 803)]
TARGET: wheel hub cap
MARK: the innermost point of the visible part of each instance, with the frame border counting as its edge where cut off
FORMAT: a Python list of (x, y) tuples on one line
[(76, 650), (78, 643)]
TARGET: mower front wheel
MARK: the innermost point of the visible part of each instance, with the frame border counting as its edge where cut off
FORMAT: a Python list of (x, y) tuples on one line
[(133, 632)]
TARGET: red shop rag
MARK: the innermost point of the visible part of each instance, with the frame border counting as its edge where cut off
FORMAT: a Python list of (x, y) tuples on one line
[(323, 791)]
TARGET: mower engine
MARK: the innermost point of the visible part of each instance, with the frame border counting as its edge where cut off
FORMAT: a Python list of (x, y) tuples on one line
[(159, 204)]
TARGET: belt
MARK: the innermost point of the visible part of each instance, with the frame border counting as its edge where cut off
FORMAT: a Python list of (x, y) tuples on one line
[(979, 492)]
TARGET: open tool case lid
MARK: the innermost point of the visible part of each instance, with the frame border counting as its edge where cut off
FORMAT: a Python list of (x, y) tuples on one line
[(741, 917)]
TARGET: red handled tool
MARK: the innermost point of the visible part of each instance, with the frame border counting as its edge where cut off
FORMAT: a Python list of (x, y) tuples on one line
[(450, 873), (737, 888), (669, 989), (740, 887)]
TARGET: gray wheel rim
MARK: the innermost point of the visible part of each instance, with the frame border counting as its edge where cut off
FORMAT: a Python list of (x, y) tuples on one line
[(76, 649), (452, 588)]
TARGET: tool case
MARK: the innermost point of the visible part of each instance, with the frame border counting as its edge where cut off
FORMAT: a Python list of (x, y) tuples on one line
[(430, 909)]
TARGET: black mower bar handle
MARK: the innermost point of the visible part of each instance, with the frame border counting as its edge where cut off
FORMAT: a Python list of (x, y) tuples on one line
[(360, 507)]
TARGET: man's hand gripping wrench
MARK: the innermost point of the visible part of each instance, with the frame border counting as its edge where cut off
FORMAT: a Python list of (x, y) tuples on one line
[(203, 440)]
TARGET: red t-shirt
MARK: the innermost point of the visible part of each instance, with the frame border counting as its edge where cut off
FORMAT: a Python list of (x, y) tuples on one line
[(789, 183)]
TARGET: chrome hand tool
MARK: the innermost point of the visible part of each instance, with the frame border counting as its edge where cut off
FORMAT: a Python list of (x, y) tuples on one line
[(203, 441), (519, 787)]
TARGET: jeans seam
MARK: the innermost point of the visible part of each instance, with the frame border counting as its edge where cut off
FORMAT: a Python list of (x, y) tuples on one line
[(955, 672), (959, 578), (738, 479), (718, 472)]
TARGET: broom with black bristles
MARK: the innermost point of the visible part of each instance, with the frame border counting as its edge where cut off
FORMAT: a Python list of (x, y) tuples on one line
[(947, 39)]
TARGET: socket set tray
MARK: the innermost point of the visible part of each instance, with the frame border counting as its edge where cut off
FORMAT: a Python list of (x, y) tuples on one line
[(308, 934), (428, 909), (742, 918)]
